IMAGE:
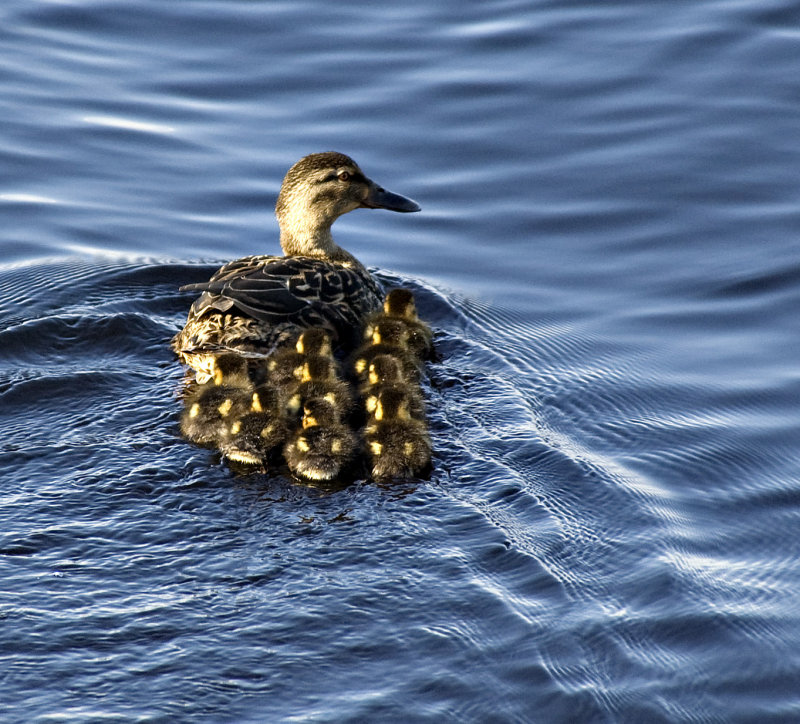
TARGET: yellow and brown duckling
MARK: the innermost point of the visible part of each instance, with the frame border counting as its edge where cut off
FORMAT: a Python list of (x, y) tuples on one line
[(253, 436), (323, 446), (385, 374), (259, 303), (399, 304), (209, 411), (210, 408), (389, 336), (284, 365), (319, 378), (398, 445)]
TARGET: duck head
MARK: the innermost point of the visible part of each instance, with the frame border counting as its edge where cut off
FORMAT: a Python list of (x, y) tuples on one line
[(316, 191)]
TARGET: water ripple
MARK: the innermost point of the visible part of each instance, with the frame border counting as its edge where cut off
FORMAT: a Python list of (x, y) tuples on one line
[(561, 522)]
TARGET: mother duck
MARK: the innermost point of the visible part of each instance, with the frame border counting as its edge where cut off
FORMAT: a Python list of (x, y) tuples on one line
[(255, 304)]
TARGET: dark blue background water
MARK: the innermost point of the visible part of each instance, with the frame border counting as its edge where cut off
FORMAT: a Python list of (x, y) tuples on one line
[(608, 252)]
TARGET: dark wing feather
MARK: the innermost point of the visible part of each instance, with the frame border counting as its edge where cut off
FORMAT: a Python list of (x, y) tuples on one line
[(301, 290)]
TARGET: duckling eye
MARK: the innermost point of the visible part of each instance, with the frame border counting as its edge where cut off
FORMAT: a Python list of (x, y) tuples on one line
[(344, 176)]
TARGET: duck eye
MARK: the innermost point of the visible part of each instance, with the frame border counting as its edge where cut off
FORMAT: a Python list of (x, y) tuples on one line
[(344, 176)]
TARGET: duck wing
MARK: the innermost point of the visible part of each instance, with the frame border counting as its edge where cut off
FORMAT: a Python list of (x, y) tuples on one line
[(300, 290)]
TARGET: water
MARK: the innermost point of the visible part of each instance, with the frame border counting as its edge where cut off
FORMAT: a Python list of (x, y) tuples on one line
[(608, 254)]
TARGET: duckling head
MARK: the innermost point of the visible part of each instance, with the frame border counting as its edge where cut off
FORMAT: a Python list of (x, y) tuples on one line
[(314, 341), (319, 411), (230, 369), (400, 303), (316, 191), (392, 404), (384, 368)]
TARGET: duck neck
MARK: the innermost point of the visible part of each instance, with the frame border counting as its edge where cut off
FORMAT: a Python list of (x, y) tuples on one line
[(298, 238), (319, 245)]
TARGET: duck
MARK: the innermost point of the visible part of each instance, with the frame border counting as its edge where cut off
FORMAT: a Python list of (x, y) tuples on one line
[(389, 336), (399, 304), (321, 448), (259, 303), (398, 445), (284, 366), (385, 373), (253, 436), (318, 378)]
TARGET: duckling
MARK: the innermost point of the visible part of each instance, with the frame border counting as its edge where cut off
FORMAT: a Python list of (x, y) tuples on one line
[(399, 304), (318, 378), (384, 374), (321, 448), (284, 365), (207, 411), (251, 437), (210, 409), (259, 303), (389, 336), (398, 445)]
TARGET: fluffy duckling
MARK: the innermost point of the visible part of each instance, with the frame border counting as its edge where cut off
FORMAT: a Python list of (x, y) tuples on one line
[(399, 304), (284, 363), (211, 409), (384, 374), (322, 446), (389, 336), (318, 378), (398, 445), (251, 437)]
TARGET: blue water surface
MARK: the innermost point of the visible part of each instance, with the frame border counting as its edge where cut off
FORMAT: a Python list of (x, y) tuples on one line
[(608, 254)]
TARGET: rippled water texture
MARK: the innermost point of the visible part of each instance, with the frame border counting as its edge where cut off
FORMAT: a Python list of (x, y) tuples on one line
[(608, 254)]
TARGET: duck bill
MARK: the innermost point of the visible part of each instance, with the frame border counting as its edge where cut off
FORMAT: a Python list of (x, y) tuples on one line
[(379, 198)]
